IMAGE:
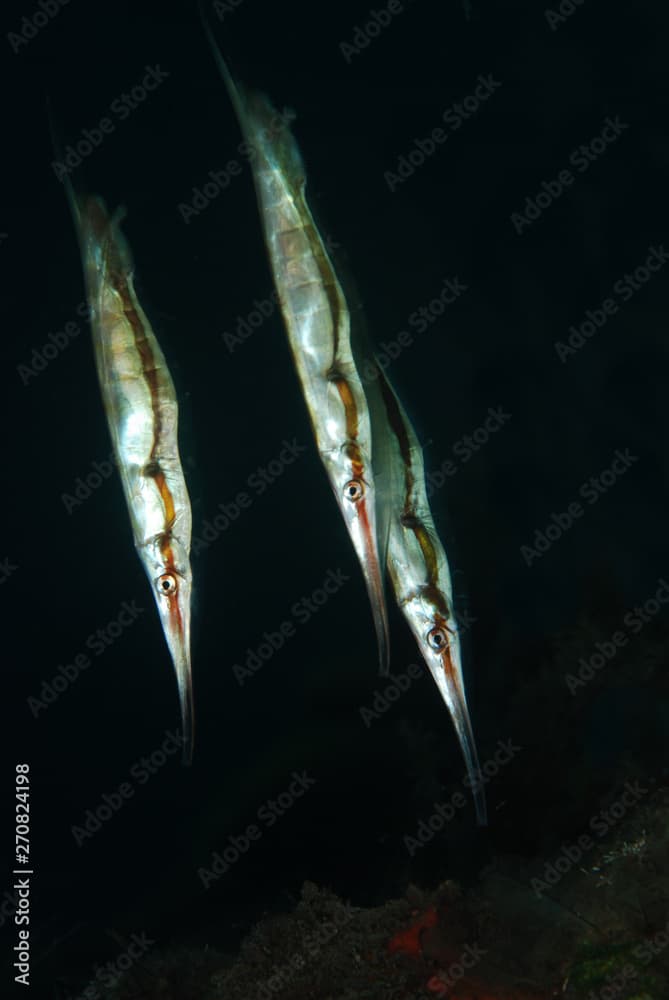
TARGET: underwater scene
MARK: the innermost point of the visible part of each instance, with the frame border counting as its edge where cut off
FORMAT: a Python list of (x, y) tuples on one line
[(335, 561)]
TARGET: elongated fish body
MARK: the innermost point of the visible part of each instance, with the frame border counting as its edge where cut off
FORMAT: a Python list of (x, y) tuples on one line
[(141, 407), (318, 323), (421, 578)]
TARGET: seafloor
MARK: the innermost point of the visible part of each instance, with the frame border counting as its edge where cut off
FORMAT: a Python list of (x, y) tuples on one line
[(599, 931), (570, 899)]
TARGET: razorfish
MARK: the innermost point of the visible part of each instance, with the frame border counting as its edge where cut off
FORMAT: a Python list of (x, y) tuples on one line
[(142, 412), (318, 324), (419, 570)]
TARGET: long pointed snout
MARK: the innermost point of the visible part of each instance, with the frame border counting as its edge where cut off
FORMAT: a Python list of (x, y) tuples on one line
[(450, 686), (182, 669), (175, 618)]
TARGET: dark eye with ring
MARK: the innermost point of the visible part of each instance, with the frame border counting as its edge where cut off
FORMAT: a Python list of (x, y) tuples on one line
[(437, 639), (167, 584), (354, 490)]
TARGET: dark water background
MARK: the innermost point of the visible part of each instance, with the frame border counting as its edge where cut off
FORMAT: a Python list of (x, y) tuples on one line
[(493, 347)]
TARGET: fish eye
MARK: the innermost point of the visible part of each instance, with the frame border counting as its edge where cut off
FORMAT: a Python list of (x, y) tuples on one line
[(437, 639), (167, 584), (354, 490)]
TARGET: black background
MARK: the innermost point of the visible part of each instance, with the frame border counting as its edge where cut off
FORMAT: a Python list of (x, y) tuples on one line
[(494, 347)]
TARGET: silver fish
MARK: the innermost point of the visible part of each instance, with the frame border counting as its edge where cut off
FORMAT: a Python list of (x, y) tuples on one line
[(420, 574), (318, 324), (141, 408)]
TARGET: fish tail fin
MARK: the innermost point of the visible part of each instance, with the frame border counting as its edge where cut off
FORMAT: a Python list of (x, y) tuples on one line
[(235, 90), (266, 130), (61, 171), (97, 231)]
